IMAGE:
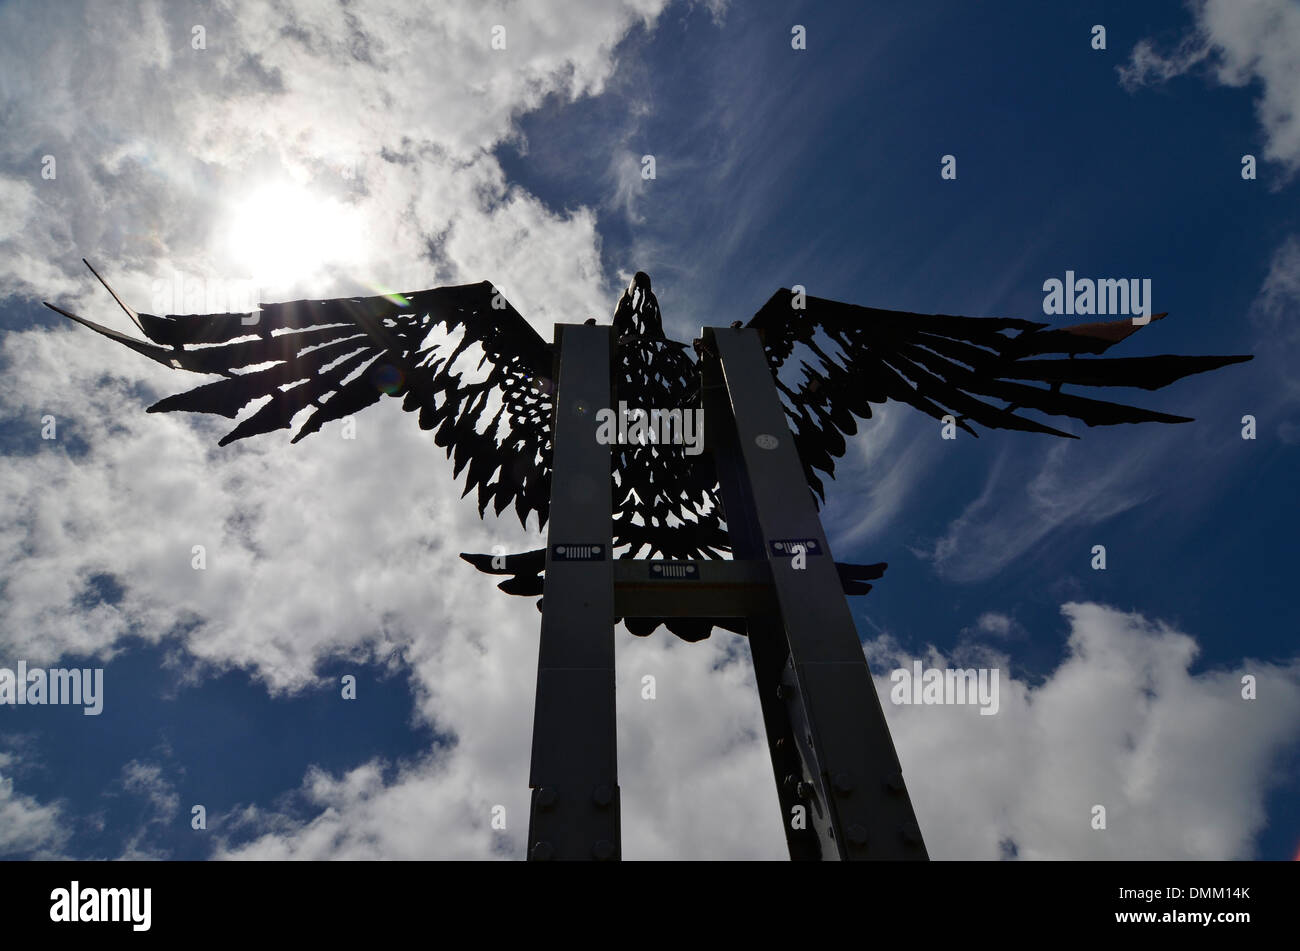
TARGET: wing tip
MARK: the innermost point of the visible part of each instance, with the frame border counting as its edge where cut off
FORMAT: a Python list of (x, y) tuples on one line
[(60, 310), (130, 312)]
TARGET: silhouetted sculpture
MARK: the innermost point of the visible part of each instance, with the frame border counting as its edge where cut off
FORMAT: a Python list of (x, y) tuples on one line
[(506, 406), (335, 357)]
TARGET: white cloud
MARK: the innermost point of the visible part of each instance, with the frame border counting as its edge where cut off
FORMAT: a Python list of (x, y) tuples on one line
[(148, 782), (1179, 760), (156, 143), (996, 624), (1276, 314), (28, 827), (695, 778), (1244, 41), (1277, 308), (167, 139)]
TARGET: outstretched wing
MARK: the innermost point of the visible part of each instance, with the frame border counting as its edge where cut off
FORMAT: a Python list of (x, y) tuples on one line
[(946, 365), (461, 357)]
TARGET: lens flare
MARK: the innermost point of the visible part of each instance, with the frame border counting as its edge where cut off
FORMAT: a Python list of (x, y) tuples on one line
[(388, 379)]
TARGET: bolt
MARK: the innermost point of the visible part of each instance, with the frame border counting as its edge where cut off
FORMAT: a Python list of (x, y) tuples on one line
[(602, 796), (603, 850), (804, 790), (784, 691), (543, 852), (857, 836), (546, 797), (843, 784)]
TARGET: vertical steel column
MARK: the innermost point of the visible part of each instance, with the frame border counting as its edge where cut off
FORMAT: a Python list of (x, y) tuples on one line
[(767, 641), (575, 801), (850, 781)]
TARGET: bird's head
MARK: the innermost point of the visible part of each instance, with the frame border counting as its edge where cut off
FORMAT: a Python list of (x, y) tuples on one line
[(637, 313), (639, 286)]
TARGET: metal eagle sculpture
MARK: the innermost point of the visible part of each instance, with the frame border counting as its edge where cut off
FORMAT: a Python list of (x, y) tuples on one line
[(480, 377)]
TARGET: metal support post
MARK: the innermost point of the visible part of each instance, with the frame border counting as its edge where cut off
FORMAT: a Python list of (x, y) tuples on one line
[(575, 801), (816, 689)]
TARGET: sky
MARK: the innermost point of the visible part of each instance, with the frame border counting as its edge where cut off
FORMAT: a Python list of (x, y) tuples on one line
[(197, 152)]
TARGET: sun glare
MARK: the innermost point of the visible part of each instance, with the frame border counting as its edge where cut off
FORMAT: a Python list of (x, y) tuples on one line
[(283, 234)]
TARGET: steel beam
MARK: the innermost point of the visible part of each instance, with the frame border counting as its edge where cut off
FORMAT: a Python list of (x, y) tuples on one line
[(697, 589), (767, 643), (819, 701), (574, 812)]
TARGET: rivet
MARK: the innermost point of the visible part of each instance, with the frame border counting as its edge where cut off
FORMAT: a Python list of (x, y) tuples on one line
[(843, 784), (804, 790), (894, 782), (602, 796), (546, 797), (857, 836), (543, 852), (603, 850)]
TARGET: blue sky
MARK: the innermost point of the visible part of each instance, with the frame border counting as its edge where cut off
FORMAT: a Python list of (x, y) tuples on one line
[(774, 167)]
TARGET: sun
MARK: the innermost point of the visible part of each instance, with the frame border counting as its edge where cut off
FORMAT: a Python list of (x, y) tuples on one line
[(283, 234)]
